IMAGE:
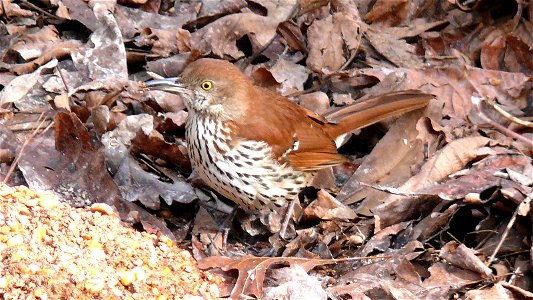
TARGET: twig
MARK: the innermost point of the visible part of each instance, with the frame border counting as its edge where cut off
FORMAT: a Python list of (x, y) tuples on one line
[(526, 201), (31, 127), (44, 12), (476, 100), (518, 15), (392, 190), (507, 115), (513, 277), (26, 142), (60, 72)]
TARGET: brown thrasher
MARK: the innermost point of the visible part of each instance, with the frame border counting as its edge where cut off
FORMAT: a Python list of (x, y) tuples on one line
[(258, 148)]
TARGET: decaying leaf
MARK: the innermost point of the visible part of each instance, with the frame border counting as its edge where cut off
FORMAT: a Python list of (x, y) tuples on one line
[(252, 269)]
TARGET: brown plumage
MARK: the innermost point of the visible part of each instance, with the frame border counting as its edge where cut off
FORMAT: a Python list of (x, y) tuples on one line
[(257, 147)]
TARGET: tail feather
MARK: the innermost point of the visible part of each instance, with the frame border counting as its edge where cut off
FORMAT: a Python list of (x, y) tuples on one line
[(367, 112)]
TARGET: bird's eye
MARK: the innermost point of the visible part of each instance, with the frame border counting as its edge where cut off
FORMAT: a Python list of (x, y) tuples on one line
[(207, 85)]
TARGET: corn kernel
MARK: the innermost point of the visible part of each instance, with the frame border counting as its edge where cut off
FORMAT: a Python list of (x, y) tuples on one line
[(18, 255), (166, 240), (166, 271), (39, 293), (39, 233), (32, 202), (16, 227), (94, 286), (48, 200), (95, 244), (5, 229), (104, 209), (127, 278)]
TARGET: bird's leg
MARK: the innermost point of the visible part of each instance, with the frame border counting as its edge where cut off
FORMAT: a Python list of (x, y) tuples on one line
[(225, 228), (287, 218)]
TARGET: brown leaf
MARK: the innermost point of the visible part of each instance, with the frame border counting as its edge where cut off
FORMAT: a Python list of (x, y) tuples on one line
[(32, 44), (448, 160), (20, 86), (215, 8), (13, 10), (252, 270), (135, 183), (461, 256), (292, 35), (291, 76), (517, 290), (393, 278), (414, 28), (389, 12), (444, 276), (518, 56), (104, 59), (132, 20), (403, 151), (397, 51), (205, 232), (497, 291), (70, 165), (513, 243), (164, 42), (326, 207), (480, 177), (294, 283), (317, 102), (9, 145), (154, 144), (327, 39), (382, 240), (220, 36), (433, 223)]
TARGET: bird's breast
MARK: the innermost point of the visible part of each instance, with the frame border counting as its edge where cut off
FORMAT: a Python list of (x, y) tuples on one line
[(241, 170)]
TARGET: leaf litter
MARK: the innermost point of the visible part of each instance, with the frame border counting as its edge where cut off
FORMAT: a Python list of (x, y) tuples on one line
[(433, 204)]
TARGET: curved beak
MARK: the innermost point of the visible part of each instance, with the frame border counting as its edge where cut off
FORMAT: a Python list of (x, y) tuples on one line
[(171, 84)]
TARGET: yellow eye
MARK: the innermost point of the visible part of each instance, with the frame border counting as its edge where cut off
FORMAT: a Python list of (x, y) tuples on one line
[(207, 85)]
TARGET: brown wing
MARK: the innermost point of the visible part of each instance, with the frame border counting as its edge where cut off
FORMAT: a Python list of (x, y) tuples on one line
[(304, 139), (295, 134)]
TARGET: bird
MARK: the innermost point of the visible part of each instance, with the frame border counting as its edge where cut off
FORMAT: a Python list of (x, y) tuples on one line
[(258, 148)]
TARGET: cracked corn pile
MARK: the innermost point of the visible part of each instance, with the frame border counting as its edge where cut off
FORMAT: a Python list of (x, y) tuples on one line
[(49, 250)]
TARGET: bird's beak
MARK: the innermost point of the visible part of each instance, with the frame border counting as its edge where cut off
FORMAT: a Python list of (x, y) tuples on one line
[(172, 85)]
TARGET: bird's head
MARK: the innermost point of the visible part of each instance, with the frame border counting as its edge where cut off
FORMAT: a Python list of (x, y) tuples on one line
[(210, 87)]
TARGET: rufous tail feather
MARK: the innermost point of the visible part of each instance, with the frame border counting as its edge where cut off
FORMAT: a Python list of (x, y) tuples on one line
[(373, 110)]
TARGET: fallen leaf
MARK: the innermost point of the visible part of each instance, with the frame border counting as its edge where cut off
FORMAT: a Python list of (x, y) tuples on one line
[(461, 256), (448, 160), (326, 207)]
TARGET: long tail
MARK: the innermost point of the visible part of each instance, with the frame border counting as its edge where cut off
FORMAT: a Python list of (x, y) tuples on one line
[(373, 110)]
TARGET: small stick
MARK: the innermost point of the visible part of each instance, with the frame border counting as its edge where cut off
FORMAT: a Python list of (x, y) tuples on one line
[(476, 100), (26, 142), (507, 115), (526, 201), (392, 190)]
